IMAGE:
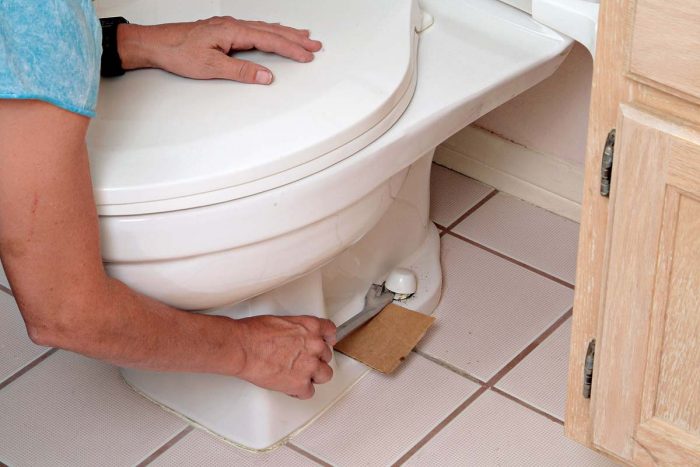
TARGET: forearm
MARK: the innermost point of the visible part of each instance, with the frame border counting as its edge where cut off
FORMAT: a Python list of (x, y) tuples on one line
[(51, 252), (116, 324), (50, 248)]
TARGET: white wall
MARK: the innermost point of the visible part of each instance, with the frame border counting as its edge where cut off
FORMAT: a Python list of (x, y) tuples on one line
[(552, 117), (534, 145)]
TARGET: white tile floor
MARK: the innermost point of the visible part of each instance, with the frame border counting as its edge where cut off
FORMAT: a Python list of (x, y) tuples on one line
[(538, 379), (16, 351), (3, 279), (485, 387), (71, 410), (199, 448), (489, 300), (385, 416), (497, 431), (453, 194), (526, 233)]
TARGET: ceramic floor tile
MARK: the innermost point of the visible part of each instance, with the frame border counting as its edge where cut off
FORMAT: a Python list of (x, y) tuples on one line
[(494, 431), (3, 278), (490, 310), (453, 194), (527, 233), (199, 448), (73, 411), (540, 379), (16, 350), (384, 416)]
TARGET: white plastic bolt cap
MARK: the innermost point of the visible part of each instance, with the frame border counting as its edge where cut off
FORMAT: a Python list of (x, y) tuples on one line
[(401, 281)]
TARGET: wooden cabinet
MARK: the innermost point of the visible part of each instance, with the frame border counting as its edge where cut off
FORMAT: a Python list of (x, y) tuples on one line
[(638, 278)]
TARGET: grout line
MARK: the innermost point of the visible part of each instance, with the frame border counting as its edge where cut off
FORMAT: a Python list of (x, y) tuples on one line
[(528, 350), (308, 455), (486, 386), (439, 226), (513, 260), (450, 367), (170, 443), (440, 426), (528, 406), (27, 367), (472, 209)]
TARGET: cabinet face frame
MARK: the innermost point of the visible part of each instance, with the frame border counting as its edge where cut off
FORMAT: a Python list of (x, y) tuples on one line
[(608, 90)]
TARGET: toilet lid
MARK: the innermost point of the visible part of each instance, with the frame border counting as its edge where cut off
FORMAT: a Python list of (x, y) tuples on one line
[(161, 142)]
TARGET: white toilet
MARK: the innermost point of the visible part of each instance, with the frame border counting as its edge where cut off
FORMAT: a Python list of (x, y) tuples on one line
[(294, 198)]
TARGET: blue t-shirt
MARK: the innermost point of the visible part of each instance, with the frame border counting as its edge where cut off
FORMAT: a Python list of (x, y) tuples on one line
[(50, 50)]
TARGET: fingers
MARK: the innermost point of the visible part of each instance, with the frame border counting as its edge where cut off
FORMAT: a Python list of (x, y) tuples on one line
[(328, 331), (235, 34), (240, 70), (204, 51), (298, 36), (319, 349), (319, 373), (327, 354), (307, 391), (323, 374), (272, 42), (323, 328), (279, 26)]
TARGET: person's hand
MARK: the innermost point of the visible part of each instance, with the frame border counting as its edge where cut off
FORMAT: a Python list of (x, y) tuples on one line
[(203, 49), (286, 353)]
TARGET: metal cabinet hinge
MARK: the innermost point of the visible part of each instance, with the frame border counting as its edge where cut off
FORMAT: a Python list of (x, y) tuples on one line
[(607, 163), (588, 370)]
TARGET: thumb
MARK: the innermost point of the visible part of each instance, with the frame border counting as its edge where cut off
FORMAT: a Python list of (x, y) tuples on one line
[(242, 71)]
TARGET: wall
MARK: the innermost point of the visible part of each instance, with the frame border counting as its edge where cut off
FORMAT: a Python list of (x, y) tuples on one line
[(534, 145), (552, 117)]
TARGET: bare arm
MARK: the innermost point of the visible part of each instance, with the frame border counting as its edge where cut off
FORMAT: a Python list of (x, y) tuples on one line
[(49, 243)]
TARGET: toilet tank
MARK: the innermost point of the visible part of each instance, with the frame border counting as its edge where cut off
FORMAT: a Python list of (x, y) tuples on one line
[(525, 5), (577, 19)]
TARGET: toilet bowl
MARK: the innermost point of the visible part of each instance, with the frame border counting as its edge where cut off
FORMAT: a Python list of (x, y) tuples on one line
[(295, 198)]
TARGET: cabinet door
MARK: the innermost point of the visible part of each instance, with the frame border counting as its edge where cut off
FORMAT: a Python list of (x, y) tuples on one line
[(646, 400)]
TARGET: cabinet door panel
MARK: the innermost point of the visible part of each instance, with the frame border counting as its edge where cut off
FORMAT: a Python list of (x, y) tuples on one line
[(678, 301), (647, 383)]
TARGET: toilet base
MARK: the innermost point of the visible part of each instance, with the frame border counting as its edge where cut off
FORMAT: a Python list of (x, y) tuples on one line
[(240, 413), (258, 419)]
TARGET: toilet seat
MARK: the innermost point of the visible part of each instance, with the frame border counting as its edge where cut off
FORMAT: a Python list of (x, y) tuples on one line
[(179, 143)]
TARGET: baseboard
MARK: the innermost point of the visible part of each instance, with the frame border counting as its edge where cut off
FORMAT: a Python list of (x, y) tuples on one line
[(540, 179)]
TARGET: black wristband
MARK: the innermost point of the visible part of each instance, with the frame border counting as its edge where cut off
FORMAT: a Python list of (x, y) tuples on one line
[(111, 62)]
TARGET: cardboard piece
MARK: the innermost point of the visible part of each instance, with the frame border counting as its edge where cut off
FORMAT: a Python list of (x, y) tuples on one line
[(385, 341)]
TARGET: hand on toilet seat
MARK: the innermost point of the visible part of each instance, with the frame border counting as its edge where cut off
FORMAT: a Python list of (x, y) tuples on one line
[(286, 353), (202, 49)]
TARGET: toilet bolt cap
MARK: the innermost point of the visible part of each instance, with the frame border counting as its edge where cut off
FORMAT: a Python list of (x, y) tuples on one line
[(401, 281)]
